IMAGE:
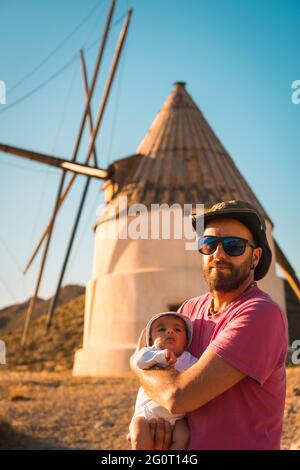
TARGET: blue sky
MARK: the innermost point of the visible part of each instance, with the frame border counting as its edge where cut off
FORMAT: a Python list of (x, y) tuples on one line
[(239, 60)]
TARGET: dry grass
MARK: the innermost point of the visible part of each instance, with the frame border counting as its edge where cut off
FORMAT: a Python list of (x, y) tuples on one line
[(53, 351), (48, 410), (56, 410), (43, 407)]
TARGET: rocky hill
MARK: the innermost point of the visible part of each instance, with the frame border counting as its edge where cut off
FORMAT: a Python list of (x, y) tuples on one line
[(45, 351)]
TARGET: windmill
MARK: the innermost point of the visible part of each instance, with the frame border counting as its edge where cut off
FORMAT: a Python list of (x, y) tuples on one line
[(71, 165), (180, 160)]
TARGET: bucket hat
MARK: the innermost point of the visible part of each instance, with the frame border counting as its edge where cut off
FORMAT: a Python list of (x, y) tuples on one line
[(248, 215)]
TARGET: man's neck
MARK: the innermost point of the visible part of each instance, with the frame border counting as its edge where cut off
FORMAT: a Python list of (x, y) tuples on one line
[(222, 299)]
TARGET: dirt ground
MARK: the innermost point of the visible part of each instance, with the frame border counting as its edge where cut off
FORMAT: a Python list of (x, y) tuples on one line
[(53, 410)]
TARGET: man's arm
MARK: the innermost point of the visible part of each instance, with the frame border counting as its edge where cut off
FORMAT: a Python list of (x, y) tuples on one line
[(183, 392)]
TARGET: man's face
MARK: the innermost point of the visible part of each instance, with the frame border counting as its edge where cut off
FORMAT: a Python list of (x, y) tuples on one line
[(169, 332), (223, 272)]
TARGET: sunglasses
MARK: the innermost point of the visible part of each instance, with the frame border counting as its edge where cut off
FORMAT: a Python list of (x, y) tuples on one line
[(233, 246)]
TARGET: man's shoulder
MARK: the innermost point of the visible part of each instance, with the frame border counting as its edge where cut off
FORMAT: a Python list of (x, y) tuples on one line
[(260, 304), (262, 299)]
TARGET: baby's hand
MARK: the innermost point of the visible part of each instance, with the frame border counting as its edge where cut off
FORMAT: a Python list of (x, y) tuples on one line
[(170, 357)]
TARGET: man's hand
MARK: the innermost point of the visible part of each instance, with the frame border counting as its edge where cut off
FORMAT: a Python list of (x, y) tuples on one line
[(170, 357), (161, 433)]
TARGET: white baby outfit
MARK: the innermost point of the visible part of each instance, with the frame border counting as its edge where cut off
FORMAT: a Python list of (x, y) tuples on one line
[(145, 359)]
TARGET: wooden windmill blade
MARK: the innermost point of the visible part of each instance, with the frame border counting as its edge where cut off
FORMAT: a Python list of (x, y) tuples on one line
[(86, 94), (94, 133), (57, 162), (91, 126), (62, 194), (61, 184), (54, 300)]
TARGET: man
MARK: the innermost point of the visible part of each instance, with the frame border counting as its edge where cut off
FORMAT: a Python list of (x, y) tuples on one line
[(234, 395)]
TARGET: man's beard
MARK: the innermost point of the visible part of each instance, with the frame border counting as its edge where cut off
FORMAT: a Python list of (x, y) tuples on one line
[(228, 279)]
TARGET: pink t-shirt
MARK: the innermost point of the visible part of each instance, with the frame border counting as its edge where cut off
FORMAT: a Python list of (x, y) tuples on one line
[(251, 335)]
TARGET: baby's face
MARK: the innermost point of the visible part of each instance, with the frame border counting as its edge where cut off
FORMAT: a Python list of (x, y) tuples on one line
[(169, 333)]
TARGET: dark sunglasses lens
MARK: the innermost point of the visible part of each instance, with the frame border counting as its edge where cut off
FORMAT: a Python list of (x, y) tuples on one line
[(234, 246), (208, 245)]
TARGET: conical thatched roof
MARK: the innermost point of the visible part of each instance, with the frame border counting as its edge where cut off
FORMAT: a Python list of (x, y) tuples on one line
[(179, 160)]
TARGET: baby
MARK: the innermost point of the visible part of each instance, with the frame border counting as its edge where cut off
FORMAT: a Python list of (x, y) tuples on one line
[(168, 334)]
